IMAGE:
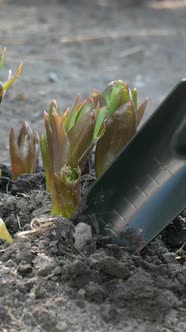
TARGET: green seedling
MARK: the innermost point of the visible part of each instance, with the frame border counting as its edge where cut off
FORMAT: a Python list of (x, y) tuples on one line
[(11, 77), (4, 234), (123, 118), (65, 147), (24, 150)]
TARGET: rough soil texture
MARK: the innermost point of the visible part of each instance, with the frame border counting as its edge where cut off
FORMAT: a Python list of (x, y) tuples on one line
[(48, 281), (61, 277)]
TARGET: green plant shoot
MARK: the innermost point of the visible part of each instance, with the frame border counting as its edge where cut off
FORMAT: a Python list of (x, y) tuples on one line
[(4, 234), (65, 148), (11, 77), (123, 118), (24, 150)]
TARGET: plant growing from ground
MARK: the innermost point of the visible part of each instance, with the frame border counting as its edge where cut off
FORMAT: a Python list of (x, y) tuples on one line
[(65, 148), (106, 121), (24, 150), (122, 119), (4, 234), (11, 77)]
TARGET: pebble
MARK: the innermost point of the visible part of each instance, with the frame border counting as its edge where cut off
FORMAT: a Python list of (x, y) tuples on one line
[(39, 198), (62, 326), (52, 77), (24, 269), (10, 203), (82, 234), (10, 263)]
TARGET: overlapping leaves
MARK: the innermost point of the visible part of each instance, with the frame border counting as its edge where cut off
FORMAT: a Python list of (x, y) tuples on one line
[(24, 150), (122, 120), (65, 148)]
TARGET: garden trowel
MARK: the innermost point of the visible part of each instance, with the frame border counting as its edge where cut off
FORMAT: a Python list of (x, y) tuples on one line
[(144, 189)]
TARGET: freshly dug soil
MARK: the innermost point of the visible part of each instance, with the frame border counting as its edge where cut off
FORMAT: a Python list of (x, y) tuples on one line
[(52, 280)]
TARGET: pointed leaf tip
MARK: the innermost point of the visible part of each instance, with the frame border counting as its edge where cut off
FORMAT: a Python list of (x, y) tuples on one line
[(4, 234), (3, 58)]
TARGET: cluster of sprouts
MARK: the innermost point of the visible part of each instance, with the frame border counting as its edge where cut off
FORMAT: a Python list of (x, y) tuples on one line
[(105, 122)]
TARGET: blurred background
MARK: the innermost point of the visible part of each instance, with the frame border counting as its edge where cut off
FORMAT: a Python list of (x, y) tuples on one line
[(71, 47)]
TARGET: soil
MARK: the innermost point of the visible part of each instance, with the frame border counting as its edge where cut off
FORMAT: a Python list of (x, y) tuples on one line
[(57, 276), (60, 277)]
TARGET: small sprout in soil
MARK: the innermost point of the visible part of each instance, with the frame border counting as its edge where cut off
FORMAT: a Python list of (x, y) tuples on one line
[(4, 234), (65, 147), (11, 78), (24, 150), (121, 124)]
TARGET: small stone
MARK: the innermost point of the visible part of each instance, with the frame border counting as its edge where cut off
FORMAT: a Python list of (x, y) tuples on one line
[(24, 269), (52, 77), (54, 278), (10, 203), (81, 292), (62, 326), (57, 270), (40, 292), (39, 198), (83, 233), (34, 250), (10, 263)]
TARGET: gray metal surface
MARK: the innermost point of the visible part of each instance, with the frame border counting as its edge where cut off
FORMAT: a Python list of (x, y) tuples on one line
[(145, 187)]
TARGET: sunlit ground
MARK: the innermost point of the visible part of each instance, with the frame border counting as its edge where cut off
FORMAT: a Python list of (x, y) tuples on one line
[(167, 4)]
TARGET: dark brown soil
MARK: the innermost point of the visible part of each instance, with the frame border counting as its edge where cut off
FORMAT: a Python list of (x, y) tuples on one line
[(54, 278), (50, 279)]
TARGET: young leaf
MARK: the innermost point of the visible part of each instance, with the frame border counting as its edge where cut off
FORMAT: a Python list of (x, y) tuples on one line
[(115, 95), (69, 139), (100, 127), (86, 106), (4, 234), (72, 115), (53, 108), (13, 78), (140, 111), (3, 58), (121, 124), (24, 150), (61, 144), (120, 128), (81, 136), (135, 98), (68, 194), (45, 158), (98, 99)]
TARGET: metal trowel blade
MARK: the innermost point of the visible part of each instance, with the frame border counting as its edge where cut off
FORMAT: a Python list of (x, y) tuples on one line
[(145, 187)]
